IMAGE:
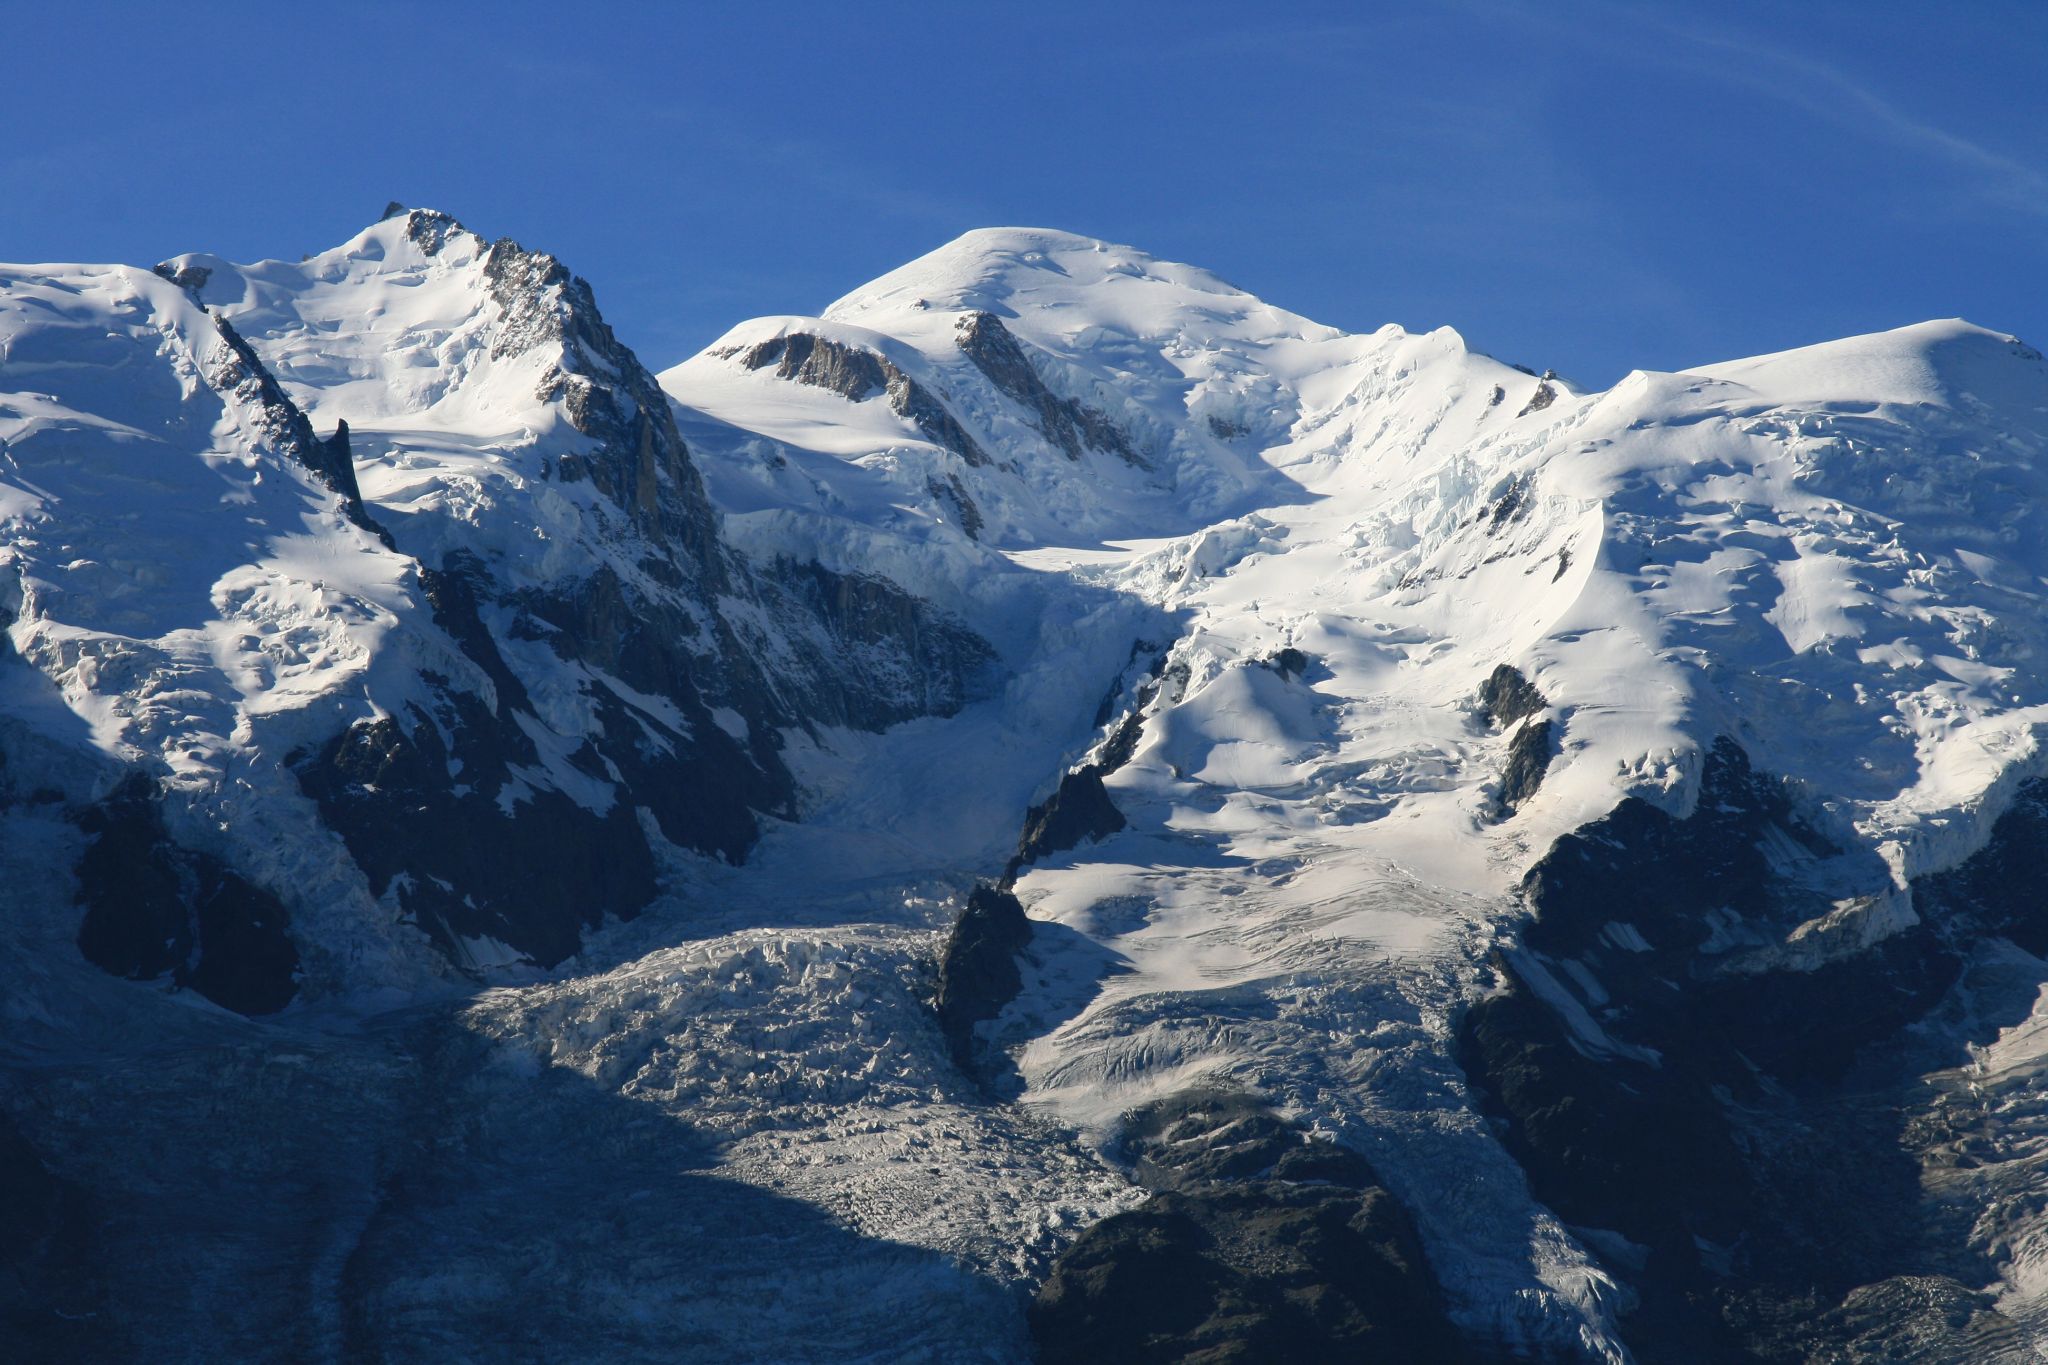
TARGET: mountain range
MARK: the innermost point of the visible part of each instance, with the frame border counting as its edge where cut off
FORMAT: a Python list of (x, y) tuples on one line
[(1053, 810)]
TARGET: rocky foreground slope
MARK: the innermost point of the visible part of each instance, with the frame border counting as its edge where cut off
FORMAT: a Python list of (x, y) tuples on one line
[(1445, 862)]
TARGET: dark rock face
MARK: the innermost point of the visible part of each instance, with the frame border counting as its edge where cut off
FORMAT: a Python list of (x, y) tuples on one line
[(1528, 759), (435, 800), (858, 375), (1264, 1271), (190, 278), (952, 493), (527, 868), (978, 970), (1123, 745), (1290, 663), (1258, 1246), (876, 654), (1542, 398), (236, 371), (1071, 426), (1735, 1114), (1506, 697), (2005, 886), (1513, 500), (1662, 874), (1079, 812), (154, 909), (853, 375)]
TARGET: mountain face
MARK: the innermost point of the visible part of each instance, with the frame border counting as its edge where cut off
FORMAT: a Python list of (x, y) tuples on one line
[(1444, 863)]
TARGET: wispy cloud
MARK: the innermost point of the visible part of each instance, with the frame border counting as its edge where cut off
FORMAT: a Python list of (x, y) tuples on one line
[(1825, 91)]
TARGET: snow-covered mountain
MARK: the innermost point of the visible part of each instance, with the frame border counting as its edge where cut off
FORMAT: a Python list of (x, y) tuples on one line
[(464, 666), (1578, 850)]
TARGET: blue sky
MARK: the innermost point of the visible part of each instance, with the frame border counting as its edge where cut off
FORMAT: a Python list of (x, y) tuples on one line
[(1589, 186)]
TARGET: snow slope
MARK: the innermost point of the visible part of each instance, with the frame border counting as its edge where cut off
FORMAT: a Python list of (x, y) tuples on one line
[(182, 589)]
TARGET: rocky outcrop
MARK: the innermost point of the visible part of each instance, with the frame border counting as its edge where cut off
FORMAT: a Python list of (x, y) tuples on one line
[(978, 972), (1257, 1245), (1509, 507), (1529, 755), (854, 375), (858, 375), (235, 370), (952, 493), (1078, 812), (1543, 396), (1510, 702), (155, 909), (1122, 745), (639, 460), (190, 278), (1069, 425), (1506, 697), (978, 969), (1141, 691)]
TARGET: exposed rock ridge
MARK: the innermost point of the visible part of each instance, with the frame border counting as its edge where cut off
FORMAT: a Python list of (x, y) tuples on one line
[(1070, 425), (235, 369), (640, 461), (953, 493), (1079, 811), (978, 968), (1510, 702), (858, 375), (1543, 395), (1506, 697)]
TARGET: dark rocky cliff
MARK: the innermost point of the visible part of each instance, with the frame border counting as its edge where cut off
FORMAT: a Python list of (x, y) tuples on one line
[(1735, 1119)]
